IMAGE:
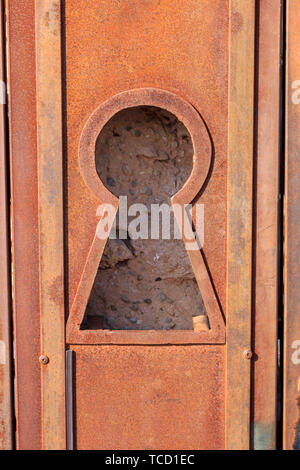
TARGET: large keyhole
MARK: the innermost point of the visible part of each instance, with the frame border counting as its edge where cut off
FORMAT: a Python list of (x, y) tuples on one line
[(144, 153)]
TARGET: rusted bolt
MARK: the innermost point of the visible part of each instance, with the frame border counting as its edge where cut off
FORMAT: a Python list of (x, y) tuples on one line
[(44, 359), (248, 354)]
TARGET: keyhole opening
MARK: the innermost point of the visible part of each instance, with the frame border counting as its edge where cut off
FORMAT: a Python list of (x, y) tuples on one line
[(145, 154)]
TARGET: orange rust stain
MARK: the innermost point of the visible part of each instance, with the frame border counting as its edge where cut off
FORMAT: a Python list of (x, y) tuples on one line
[(237, 22), (55, 290)]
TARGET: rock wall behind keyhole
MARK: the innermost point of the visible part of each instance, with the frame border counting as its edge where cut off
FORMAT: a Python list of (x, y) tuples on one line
[(144, 153)]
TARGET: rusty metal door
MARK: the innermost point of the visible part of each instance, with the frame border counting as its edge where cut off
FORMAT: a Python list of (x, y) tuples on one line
[(134, 388), (149, 389)]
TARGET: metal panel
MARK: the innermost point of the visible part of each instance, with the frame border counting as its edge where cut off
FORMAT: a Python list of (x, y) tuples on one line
[(266, 233), (6, 429), (127, 53), (158, 385), (291, 405), (50, 167), (168, 67), (23, 135), (23, 166), (239, 223), (147, 397)]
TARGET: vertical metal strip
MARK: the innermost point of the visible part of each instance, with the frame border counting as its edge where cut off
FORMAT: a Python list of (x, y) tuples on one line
[(20, 25), (50, 183), (266, 231), (69, 399), (291, 386), (6, 432), (239, 228)]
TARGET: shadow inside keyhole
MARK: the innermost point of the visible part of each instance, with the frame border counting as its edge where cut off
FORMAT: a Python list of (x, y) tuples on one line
[(146, 154)]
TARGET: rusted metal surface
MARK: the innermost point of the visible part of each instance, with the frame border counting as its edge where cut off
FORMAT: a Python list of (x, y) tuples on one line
[(266, 254), (129, 396), (23, 164), (291, 411), (50, 186), (6, 428), (239, 222), (69, 400), (202, 163), (124, 54), (146, 397), (135, 48)]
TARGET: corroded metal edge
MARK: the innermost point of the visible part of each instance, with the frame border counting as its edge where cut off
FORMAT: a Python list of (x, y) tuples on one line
[(6, 429), (266, 234), (50, 193), (291, 380), (239, 222)]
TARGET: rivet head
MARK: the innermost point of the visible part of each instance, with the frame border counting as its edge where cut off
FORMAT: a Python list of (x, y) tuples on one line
[(248, 354), (44, 359)]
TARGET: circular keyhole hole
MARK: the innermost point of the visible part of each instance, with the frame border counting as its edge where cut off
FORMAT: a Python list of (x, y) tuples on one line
[(144, 153)]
